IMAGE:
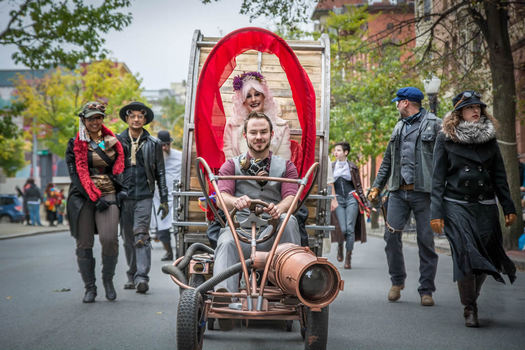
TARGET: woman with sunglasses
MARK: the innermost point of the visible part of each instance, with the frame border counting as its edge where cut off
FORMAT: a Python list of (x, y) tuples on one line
[(95, 161), (469, 175)]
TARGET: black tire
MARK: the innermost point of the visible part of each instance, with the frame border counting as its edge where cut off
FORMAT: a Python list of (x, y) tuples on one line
[(211, 324), (316, 332), (196, 280), (288, 325), (190, 321)]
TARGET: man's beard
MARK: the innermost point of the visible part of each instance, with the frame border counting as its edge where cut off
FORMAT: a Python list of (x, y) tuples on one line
[(251, 148)]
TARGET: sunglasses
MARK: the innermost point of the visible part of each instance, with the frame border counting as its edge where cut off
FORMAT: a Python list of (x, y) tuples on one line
[(466, 95), (97, 106), (129, 112)]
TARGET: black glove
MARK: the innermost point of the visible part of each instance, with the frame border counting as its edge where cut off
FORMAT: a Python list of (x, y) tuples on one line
[(121, 196), (101, 204), (165, 210)]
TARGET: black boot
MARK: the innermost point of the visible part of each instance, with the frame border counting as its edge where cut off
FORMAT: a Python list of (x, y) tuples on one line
[(169, 252), (108, 270), (468, 296), (340, 251), (86, 266)]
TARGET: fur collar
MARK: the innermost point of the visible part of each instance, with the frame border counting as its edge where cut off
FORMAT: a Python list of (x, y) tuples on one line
[(473, 132), (80, 149)]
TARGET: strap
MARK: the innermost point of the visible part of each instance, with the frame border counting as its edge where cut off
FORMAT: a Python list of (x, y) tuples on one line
[(101, 153)]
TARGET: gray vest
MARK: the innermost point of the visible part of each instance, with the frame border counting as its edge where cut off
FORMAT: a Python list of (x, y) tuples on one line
[(270, 192), (409, 135)]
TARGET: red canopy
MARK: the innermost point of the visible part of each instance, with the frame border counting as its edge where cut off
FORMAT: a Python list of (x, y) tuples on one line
[(209, 111)]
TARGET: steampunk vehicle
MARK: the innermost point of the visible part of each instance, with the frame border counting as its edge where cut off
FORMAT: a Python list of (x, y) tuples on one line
[(289, 282)]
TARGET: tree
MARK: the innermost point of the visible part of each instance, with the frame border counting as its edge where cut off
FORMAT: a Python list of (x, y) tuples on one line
[(50, 33), (52, 104), (363, 83), (12, 144), (173, 115)]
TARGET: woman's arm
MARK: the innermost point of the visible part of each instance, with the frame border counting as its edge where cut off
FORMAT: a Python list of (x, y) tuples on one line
[(439, 174)]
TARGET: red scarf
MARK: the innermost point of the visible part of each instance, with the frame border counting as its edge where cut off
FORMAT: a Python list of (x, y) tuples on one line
[(81, 150)]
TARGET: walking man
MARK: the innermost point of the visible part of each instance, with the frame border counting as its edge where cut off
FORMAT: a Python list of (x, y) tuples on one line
[(172, 165), (407, 166), (146, 167)]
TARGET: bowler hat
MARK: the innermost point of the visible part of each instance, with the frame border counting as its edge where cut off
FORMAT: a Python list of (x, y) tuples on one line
[(92, 109), (467, 98), (136, 106), (409, 93), (164, 136)]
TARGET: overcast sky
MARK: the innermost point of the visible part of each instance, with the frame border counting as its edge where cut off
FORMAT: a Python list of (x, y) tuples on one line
[(157, 43)]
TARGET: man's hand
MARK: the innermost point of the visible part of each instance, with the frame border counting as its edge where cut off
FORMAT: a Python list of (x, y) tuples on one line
[(373, 194), (242, 202), (437, 225), (509, 219), (165, 210), (121, 196), (273, 210)]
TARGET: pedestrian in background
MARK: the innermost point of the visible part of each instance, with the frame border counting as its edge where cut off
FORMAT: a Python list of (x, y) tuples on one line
[(407, 167), (33, 198), (144, 169), (172, 165), (350, 197), (51, 202), (95, 161), (469, 174)]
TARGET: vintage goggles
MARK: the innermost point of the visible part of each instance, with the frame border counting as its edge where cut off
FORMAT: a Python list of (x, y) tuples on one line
[(466, 95), (129, 112), (97, 106)]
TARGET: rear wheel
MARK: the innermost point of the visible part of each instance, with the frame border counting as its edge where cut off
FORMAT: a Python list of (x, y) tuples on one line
[(190, 321), (4, 219), (316, 329)]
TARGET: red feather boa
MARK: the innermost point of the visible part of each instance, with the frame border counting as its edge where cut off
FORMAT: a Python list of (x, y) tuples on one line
[(81, 150)]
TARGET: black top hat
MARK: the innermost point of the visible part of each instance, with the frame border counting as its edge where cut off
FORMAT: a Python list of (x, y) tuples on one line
[(136, 106), (164, 136), (467, 98)]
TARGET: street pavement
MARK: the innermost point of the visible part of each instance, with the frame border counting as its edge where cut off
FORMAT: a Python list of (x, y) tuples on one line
[(41, 308)]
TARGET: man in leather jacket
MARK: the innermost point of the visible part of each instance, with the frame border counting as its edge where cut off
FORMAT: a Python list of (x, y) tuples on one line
[(407, 167), (145, 168)]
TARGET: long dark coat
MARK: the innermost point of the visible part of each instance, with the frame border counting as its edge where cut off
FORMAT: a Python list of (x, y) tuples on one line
[(464, 175)]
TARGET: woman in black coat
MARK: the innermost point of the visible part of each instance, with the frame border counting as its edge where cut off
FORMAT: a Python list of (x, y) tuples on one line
[(469, 175), (95, 160)]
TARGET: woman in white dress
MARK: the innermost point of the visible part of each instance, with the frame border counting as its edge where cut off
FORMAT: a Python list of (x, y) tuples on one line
[(253, 95)]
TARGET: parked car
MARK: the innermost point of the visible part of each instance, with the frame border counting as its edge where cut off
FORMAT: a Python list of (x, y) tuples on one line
[(11, 209)]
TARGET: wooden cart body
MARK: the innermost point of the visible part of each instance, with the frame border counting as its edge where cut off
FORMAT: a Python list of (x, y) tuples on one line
[(190, 222)]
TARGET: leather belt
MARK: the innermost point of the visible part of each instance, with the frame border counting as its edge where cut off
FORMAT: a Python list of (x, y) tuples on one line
[(407, 187)]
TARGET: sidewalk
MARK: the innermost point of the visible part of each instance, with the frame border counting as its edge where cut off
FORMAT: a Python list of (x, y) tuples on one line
[(12, 230), (442, 245)]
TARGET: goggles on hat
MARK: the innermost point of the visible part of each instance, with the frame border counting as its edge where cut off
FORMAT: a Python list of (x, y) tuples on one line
[(466, 95), (97, 106)]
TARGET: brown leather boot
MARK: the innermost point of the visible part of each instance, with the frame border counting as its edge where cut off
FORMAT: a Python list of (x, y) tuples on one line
[(169, 252), (468, 296), (340, 251), (348, 260)]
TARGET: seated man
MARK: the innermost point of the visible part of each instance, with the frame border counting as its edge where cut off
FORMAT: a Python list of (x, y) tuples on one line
[(258, 132)]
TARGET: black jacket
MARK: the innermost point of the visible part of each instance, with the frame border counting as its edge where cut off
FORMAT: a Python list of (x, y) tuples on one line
[(77, 195), (32, 194), (468, 172), (149, 166)]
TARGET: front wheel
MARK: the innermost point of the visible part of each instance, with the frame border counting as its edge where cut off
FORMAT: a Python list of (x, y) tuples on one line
[(316, 329), (190, 321)]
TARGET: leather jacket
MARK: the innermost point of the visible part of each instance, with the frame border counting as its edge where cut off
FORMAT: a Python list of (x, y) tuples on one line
[(390, 169), (150, 162)]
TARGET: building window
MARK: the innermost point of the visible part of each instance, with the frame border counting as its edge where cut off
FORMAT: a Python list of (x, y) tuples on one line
[(427, 9)]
